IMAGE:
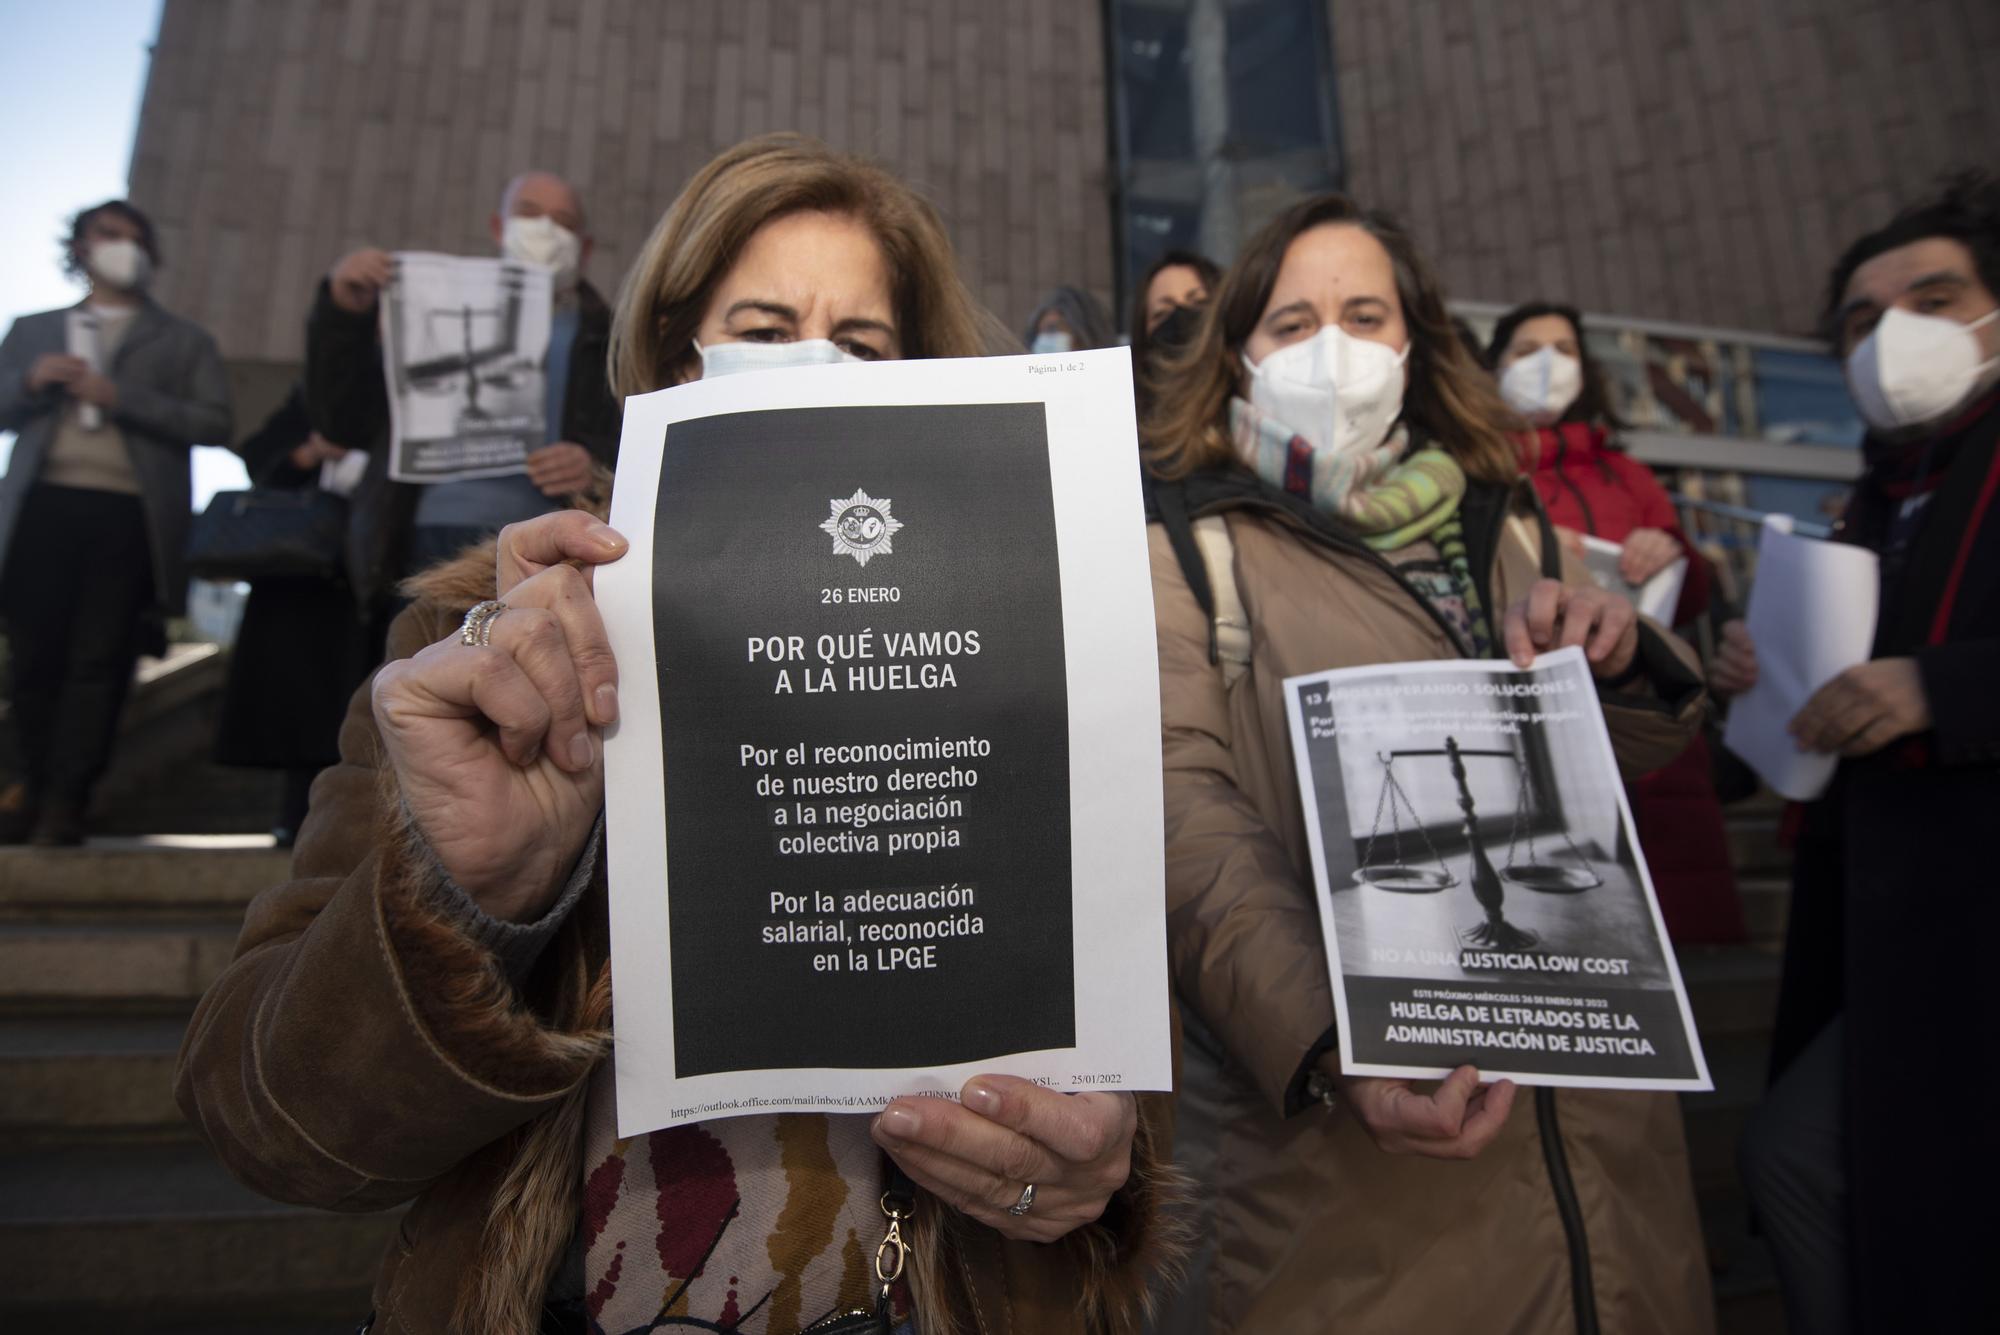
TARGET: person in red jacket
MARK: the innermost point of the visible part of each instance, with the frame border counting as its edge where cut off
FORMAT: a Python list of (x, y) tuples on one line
[(1590, 486)]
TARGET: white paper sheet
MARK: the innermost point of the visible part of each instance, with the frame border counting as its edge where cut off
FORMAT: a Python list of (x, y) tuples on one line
[(1812, 616), (84, 337), (1482, 894), (343, 476), (465, 344), (1656, 598), (773, 535)]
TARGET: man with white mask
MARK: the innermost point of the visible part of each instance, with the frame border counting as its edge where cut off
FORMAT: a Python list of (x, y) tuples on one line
[(107, 397), (1858, 1181), (397, 528)]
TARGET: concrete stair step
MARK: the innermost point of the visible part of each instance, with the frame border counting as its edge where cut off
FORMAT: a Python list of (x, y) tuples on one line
[(1754, 846), (162, 776), (161, 873), (1763, 802), (66, 1079), (70, 968), (1737, 1062), (127, 1226), (1733, 989), (1767, 905)]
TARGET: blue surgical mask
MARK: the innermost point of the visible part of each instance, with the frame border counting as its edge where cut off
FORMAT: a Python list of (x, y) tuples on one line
[(1052, 340), (729, 358)]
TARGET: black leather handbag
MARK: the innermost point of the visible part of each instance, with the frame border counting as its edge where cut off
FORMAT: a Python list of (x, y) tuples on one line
[(268, 532)]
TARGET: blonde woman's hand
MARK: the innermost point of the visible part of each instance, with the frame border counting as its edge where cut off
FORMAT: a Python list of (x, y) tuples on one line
[(1005, 1133), (1456, 1120), (1555, 615), (496, 747)]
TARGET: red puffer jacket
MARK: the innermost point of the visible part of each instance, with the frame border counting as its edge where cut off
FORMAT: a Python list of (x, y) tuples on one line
[(1590, 487)]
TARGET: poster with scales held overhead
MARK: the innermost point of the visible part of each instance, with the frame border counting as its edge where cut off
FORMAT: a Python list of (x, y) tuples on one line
[(465, 344), (1481, 891), (884, 797)]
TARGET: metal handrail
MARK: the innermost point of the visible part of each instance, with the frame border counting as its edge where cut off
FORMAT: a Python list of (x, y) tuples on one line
[(1598, 320), (1746, 514)]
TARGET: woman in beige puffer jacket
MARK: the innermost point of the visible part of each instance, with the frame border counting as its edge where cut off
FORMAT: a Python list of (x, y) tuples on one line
[(1392, 527)]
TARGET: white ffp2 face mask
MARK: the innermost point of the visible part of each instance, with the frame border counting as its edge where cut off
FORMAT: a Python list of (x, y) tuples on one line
[(729, 358), (1339, 392), (120, 264), (546, 242), (1913, 369), (1052, 340), (1542, 385)]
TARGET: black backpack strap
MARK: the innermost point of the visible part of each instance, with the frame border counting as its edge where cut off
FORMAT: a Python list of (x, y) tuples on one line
[(1171, 500), (1552, 561)]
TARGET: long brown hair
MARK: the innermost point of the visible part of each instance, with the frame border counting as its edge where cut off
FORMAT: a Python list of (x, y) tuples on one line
[(668, 288), (1450, 400)]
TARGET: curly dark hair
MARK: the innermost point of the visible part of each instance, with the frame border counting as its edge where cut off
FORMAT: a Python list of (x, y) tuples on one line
[(1593, 404), (1966, 209), (149, 239)]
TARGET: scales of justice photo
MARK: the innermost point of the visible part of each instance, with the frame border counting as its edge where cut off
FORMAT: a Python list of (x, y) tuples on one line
[(1474, 834), (466, 346), (1522, 867)]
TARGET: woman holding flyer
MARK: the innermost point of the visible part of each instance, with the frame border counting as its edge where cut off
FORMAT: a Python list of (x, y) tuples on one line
[(1590, 486), (1337, 487), (423, 1015)]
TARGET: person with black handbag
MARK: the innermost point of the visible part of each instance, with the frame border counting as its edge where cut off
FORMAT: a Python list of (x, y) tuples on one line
[(107, 397), (301, 649)]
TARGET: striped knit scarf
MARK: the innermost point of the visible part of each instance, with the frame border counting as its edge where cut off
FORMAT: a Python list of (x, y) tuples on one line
[(1392, 501)]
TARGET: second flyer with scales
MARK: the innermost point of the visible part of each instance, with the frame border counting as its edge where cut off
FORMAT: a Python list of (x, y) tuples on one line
[(1481, 888), (884, 799)]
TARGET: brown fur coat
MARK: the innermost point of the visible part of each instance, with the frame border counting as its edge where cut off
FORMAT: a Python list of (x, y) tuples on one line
[(361, 1051)]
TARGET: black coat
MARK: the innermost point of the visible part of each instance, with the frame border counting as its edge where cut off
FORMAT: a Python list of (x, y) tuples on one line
[(1894, 907), (300, 651), (347, 399)]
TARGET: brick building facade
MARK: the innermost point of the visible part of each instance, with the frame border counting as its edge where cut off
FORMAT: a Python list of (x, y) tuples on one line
[(274, 137), (1670, 159)]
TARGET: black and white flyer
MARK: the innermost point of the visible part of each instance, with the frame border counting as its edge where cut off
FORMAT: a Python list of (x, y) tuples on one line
[(1481, 890), (465, 346), (884, 796)]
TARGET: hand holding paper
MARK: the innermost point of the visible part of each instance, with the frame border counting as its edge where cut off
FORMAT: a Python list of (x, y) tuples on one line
[(1005, 1133), (1555, 615), (493, 743), (1647, 567), (86, 363), (1864, 709), (1812, 616), (1457, 1120)]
